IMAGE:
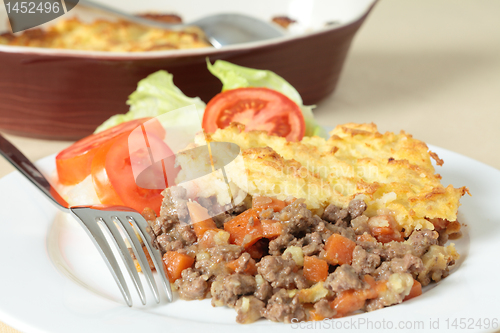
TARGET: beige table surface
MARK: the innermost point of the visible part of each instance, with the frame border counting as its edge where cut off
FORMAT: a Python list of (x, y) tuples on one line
[(430, 67)]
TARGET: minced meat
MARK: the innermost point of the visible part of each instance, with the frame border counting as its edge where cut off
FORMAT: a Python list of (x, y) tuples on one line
[(268, 278), (283, 307), (227, 289)]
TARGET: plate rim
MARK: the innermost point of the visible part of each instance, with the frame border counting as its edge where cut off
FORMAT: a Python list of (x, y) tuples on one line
[(18, 322)]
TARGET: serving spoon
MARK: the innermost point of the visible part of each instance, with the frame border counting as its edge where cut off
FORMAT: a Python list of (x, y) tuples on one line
[(220, 29)]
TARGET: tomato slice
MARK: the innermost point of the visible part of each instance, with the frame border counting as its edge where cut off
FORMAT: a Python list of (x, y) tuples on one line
[(74, 163), (102, 185), (258, 109), (113, 176)]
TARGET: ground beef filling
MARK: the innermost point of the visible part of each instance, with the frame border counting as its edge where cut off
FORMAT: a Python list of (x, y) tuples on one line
[(291, 268)]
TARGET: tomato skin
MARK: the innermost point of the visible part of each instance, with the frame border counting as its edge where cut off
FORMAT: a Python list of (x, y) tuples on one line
[(74, 163), (258, 109), (113, 176), (102, 185)]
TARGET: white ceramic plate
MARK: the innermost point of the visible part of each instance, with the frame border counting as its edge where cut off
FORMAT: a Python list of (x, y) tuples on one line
[(53, 280)]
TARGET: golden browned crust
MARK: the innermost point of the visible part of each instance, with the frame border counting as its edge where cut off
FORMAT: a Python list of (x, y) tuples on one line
[(436, 158), (102, 35), (391, 172), (283, 21)]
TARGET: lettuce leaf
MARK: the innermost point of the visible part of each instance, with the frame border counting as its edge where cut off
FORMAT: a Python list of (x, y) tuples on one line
[(155, 95), (234, 76)]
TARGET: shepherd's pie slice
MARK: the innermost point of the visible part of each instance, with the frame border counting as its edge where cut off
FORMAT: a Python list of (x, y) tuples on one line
[(391, 172)]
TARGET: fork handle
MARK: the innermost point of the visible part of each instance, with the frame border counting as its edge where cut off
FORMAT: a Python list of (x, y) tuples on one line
[(21, 163)]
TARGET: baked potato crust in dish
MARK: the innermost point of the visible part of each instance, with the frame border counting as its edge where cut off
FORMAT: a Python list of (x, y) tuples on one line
[(392, 173), (103, 35)]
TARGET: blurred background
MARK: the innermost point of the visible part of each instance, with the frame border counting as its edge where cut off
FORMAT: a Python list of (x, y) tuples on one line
[(429, 67)]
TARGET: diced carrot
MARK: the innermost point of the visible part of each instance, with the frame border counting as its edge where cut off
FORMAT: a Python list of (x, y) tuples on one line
[(148, 214), (382, 231), (200, 219), (370, 280), (262, 203), (416, 290), (352, 300), (383, 228), (175, 263), (245, 229), (148, 257), (201, 227), (376, 287), (387, 234), (256, 250), (207, 240), (232, 265), (314, 316), (380, 287), (251, 268), (365, 238), (339, 250), (271, 229), (315, 269), (137, 266), (348, 301)]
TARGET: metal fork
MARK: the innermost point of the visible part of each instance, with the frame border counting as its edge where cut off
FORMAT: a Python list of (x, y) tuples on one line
[(92, 218)]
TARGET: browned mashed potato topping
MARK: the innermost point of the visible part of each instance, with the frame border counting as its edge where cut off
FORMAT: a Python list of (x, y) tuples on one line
[(102, 35), (390, 172)]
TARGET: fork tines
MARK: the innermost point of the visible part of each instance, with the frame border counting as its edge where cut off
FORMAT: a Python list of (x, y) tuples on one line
[(134, 227)]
